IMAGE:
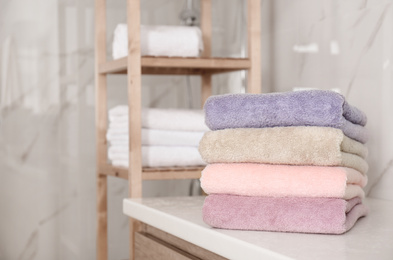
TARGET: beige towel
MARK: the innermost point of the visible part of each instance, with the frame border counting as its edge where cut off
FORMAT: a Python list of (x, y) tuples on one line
[(306, 145)]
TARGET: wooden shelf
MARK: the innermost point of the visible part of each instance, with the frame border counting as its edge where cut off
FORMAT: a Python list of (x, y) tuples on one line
[(159, 173), (177, 66)]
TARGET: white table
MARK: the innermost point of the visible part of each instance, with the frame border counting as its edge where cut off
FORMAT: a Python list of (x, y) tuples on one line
[(370, 238)]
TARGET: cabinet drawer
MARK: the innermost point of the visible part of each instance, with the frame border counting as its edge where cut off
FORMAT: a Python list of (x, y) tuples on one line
[(148, 247)]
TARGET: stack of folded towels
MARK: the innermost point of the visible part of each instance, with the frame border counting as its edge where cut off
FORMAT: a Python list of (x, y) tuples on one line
[(292, 162), (170, 137)]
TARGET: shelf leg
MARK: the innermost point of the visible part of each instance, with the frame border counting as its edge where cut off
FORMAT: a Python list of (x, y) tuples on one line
[(134, 99), (134, 84), (102, 218), (254, 46), (101, 126), (206, 28), (206, 87)]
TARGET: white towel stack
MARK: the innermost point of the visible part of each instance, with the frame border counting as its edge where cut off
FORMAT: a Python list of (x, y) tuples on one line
[(170, 137), (171, 41)]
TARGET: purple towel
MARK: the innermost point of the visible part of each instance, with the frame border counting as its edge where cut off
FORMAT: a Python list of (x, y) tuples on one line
[(304, 215), (300, 108)]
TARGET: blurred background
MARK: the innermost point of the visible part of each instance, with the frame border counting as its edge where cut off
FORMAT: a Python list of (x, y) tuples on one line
[(47, 134)]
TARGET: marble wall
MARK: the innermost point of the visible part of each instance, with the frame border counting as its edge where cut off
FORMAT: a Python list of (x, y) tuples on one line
[(47, 149), (345, 45)]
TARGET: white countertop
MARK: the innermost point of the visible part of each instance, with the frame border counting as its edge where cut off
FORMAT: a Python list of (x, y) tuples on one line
[(370, 238)]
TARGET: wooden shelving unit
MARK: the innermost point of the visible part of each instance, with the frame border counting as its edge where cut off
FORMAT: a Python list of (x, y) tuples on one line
[(134, 66)]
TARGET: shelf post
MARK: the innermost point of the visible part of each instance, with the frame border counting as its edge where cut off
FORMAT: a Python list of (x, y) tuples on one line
[(101, 126), (254, 76), (206, 28), (134, 78), (134, 84)]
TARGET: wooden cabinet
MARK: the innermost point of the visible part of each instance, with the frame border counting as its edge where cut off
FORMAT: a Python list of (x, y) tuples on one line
[(154, 244), (149, 247)]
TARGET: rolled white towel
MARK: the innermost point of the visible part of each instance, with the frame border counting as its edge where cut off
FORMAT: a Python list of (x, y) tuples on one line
[(163, 119), (156, 137), (158, 156), (176, 41)]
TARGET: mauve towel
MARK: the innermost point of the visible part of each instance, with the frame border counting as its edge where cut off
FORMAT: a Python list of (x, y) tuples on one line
[(268, 180), (301, 145), (299, 108), (304, 215)]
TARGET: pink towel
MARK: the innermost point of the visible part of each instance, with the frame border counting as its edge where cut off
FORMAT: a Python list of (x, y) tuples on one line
[(249, 179), (304, 215)]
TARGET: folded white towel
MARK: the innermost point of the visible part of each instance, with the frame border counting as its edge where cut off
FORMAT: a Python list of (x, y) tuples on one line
[(178, 41), (158, 156), (118, 142), (118, 123), (164, 119), (119, 135)]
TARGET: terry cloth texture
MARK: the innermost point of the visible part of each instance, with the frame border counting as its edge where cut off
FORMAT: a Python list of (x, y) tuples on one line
[(320, 146), (268, 180), (305, 215), (300, 108)]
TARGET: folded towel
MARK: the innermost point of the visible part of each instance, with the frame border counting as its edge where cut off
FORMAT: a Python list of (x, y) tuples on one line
[(158, 156), (267, 180), (300, 108), (156, 137), (120, 122), (303, 145), (305, 215), (180, 41), (164, 119)]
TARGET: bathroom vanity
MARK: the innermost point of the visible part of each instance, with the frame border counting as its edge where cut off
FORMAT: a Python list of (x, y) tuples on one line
[(172, 228)]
